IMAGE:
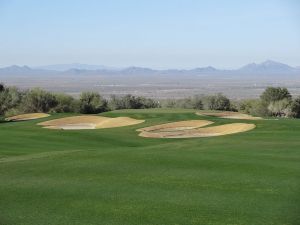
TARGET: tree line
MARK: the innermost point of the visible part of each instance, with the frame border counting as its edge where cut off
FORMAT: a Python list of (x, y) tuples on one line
[(274, 101), (14, 101)]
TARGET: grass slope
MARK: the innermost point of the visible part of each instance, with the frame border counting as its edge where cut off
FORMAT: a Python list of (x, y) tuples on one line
[(112, 176)]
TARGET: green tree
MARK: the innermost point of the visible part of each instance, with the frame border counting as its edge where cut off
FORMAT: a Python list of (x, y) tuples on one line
[(272, 94)]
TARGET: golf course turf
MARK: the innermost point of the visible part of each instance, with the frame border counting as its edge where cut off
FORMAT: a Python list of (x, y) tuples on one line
[(114, 177)]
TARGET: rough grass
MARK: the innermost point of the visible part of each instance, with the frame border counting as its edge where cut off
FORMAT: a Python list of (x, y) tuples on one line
[(115, 177)]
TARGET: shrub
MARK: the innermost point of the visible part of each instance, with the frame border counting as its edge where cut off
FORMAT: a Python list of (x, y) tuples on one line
[(295, 107), (168, 103), (38, 100), (65, 103), (197, 102), (217, 102), (146, 103), (281, 108), (2, 87), (10, 97), (92, 102), (131, 102), (254, 107)]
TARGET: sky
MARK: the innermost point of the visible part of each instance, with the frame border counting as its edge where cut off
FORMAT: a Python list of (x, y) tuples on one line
[(150, 33)]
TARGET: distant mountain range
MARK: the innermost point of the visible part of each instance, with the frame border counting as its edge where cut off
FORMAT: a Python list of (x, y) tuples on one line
[(78, 66), (266, 68)]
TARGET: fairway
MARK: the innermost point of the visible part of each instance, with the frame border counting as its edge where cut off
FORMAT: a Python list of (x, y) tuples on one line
[(114, 177)]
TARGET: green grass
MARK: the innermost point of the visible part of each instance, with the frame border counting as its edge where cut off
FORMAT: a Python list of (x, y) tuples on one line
[(112, 176)]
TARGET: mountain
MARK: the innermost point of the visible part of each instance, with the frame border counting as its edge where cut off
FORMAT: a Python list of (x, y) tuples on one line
[(22, 70), (205, 70), (17, 69), (76, 66), (137, 70), (267, 67)]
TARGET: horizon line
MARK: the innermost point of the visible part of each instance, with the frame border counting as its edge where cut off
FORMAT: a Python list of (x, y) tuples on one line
[(109, 67)]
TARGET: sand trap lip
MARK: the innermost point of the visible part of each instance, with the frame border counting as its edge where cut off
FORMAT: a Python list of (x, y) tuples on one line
[(89, 122), (28, 116), (229, 115), (159, 131), (79, 126)]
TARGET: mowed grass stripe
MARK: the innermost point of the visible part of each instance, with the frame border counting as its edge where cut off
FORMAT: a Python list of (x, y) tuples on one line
[(36, 156)]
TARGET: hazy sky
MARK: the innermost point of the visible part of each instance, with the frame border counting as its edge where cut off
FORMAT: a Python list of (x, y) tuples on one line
[(151, 33)]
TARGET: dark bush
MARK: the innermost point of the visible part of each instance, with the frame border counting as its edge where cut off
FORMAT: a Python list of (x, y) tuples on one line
[(2, 87)]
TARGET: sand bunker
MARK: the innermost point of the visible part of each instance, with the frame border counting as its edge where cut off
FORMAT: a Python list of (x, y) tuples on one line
[(180, 130), (89, 122), (176, 126), (229, 115), (29, 116)]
